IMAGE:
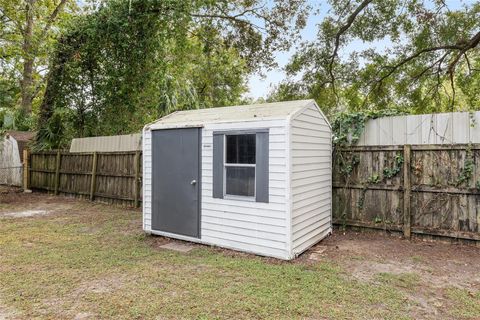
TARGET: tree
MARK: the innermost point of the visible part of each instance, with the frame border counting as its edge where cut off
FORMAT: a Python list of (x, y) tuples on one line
[(422, 56), (128, 62), (27, 31)]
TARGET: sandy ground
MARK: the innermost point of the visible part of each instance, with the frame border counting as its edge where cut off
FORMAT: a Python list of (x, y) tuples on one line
[(435, 266)]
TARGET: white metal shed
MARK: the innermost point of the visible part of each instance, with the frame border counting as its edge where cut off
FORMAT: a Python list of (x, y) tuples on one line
[(254, 178)]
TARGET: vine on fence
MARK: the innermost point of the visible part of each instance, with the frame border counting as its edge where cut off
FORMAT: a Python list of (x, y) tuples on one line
[(388, 173), (348, 127), (347, 130), (347, 163), (397, 167), (467, 171)]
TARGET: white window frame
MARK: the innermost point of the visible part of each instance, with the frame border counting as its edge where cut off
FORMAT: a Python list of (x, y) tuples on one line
[(241, 165)]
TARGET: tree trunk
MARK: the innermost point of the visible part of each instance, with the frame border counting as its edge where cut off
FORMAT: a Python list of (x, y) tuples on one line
[(28, 60)]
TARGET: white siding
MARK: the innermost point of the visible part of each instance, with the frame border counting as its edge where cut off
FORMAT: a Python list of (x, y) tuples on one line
[(298, 212), (147, 180), (441, 128), (247, 225), (311, 179)]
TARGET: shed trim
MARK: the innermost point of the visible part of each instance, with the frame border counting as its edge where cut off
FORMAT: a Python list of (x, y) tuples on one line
[(201, 241), (241, 131), (312, 102), (288, 191), (144, 162)]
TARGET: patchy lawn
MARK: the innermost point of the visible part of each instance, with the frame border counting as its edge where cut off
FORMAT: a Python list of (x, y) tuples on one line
[(66, 258)]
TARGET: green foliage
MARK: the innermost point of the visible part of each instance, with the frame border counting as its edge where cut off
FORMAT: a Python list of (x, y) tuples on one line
[(374, 178), (348, 161), (16, 119), (467, 172), (9, 91), (361, 200), (18, 47), (391, 172), (468, 168), (408, 61), (377, 220), (127, 63), (56, 133)]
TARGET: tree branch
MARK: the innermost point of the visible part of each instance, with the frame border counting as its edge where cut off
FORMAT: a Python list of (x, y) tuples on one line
[(234, 18), (394, 68), (474, 41), (431, 66), (340, 32), (52, 18)]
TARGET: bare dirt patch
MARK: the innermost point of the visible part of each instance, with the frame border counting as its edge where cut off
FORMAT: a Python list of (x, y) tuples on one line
[(103, 285), (7, 313), (16, 203), (424, 271), (366, 254), (24, 213)]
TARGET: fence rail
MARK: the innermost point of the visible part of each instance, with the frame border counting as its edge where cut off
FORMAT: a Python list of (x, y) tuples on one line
[(113, 177), (421, 189)]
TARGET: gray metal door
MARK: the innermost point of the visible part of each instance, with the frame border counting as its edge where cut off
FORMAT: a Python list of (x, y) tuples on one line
[(176, 181)]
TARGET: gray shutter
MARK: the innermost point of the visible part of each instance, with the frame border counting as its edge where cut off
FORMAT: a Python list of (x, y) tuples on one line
[(262, 167), (217, 169)]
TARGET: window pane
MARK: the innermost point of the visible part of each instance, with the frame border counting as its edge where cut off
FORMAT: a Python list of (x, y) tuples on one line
[(241, 148), (240, 181)]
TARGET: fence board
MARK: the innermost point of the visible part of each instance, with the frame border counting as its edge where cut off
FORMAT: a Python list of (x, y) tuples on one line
[(115, 177), (443, 185)]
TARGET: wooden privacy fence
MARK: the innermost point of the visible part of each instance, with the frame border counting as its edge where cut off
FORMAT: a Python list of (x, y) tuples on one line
[(114, 177), (421, 189)]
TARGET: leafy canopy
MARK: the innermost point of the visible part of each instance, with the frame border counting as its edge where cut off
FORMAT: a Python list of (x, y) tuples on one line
[(421, 56), (126, 63), (28, 31)]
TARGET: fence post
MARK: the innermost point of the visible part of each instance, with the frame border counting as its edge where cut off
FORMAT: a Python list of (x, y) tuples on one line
[(26, 173), (407, 187), (94, 176), (136, 186), (57, 171)]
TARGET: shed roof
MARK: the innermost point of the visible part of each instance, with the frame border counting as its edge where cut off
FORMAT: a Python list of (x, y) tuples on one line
[(120, 143), (23, 136), (264, 111)]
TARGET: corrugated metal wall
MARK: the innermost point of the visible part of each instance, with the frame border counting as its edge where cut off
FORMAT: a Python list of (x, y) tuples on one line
[(120, 143), (10, 163), (441, 128)]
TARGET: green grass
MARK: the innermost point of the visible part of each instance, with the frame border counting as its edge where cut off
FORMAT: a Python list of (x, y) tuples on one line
[(96, 260), (468, 303)]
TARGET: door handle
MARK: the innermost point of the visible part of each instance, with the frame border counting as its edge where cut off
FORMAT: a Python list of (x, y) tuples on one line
[(193, 182)]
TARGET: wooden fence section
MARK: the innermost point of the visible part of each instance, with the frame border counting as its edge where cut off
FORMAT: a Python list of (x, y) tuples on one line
[(421, 189), (107, 177)]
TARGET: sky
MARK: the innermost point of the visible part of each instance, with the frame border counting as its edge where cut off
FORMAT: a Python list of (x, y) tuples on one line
[(261, 86)]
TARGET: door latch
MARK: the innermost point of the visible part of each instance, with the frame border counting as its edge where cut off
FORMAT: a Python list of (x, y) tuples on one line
[(193, 182)]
